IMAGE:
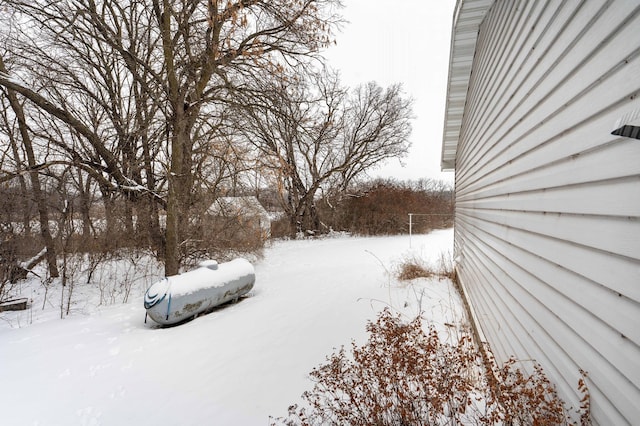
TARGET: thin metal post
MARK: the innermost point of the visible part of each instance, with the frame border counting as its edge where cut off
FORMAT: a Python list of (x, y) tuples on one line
[(410, 224)]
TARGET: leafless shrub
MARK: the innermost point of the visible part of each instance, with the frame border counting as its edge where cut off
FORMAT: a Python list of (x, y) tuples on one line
[(71, 268), (401, 376), (410, 270), (119, 274), (7, 265), (381, 207), (222, 238), (281, 227), (11, 271), (527, 399), (446, 267), (585, 401), (404, 375), (413, 267)]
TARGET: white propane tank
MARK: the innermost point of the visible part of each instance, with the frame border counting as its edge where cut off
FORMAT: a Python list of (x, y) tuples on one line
[(179, 297)]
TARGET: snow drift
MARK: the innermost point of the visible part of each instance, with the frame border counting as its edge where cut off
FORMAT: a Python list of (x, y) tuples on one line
[(102, 365)]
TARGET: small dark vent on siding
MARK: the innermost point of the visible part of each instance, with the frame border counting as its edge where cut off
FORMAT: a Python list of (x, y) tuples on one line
[(628, 131), (628, 125)]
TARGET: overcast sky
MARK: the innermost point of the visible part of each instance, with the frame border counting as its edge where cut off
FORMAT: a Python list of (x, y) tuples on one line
[(408, 42)]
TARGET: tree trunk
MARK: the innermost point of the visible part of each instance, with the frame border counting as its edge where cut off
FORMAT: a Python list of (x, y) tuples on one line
[(25, 205), (35, 179), (149, 220), (179, 197), (109, 236), (85, 205), (128, 214), (308, 217)]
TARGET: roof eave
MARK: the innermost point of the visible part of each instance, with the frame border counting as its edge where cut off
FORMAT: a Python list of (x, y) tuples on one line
[(467, 18)]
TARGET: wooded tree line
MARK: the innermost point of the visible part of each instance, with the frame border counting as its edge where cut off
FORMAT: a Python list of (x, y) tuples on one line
[(152, 108), (382, 207)]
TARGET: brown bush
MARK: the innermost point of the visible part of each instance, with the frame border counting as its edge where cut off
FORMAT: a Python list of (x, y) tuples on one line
[(413, 267), (381, 207), (222, 238), (410, 270), (405, 376), (281, 228)]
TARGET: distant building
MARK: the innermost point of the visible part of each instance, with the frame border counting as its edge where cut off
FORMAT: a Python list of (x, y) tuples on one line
[(246, 210), (541, 128)]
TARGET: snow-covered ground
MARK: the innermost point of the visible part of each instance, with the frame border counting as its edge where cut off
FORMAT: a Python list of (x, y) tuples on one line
[(235, 366)]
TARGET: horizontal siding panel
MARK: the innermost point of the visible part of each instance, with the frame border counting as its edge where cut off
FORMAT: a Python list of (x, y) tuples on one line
[(548, 201), (501, 290), (556, 103), (561, 165), (501, 35), (613, 198), (543, 126), (480, 106), (618, 275), (520, 102), (499, 325), (548, 259), (516, 287), (580, 57), (593, 240), (510, 78)]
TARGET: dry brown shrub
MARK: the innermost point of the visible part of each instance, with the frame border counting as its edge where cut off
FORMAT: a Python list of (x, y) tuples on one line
[(381, 207), (404, 375), (413, 270), (412, 267), (446, 266), (526, 399)]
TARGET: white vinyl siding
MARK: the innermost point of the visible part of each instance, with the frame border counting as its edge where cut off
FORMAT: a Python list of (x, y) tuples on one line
[(548, 200)]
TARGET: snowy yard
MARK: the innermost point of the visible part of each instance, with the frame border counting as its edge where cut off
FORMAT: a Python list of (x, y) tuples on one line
[(235, 366)]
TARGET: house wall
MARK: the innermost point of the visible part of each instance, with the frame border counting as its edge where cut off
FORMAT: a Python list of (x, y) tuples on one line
[(547, 229)]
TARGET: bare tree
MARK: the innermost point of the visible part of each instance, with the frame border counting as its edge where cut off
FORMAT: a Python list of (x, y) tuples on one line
[(12, 161), (206, 52), (179, 60), (43, 210), (314, 134)]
